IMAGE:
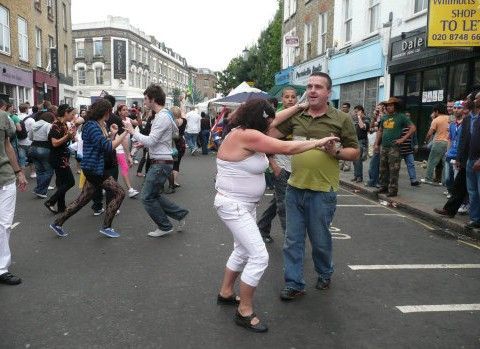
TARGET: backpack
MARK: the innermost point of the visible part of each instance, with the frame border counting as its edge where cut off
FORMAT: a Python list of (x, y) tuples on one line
[(23, 134)]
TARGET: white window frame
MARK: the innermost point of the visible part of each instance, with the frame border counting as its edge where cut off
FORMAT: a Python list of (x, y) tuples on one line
[(65, 60), (322, 32), (373, 10), (82, 68), (307, 40), (289, 53), (5, 46), (38, 47), (50, 7), (22, 39), (77, 49), (95, 53), (154, 65), (145, 57), (64, 14), (420, 4), (347, 20), (98, 76), (134, 50)]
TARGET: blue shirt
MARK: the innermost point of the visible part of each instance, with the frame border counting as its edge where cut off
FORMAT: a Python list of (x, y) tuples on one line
[(95, 146)]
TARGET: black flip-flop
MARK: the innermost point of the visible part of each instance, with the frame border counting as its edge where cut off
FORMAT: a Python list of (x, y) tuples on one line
[(232, 300), (246, 321)]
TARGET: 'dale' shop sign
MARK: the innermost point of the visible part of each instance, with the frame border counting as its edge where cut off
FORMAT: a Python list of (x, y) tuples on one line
[(453, 23)]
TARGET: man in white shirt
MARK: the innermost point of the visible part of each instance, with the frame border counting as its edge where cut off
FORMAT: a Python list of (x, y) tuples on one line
[(24, 144), (192, 130)]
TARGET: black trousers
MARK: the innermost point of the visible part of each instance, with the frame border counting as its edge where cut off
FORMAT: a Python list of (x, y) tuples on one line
[(458, 191), (64, 181)]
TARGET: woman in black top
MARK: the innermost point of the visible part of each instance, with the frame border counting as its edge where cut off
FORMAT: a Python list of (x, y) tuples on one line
[(180, 145), (145, 130), (59, 137)]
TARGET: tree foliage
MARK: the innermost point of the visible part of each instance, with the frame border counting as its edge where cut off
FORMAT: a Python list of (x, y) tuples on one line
[(176, 96), (262, 63)]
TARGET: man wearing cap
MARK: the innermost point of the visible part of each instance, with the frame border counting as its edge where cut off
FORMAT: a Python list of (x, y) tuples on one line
[(390, 136)]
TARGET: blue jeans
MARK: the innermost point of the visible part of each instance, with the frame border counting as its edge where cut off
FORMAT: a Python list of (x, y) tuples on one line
[(308, 212), (158, 207), (204, 137), (374, 170), (39, 156), (23, 155), (473, 187), (358, 164), (410, 162), (191, 139)]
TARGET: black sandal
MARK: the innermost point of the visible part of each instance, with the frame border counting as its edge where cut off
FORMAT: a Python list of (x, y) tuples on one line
[(232, 300), (246, 321)]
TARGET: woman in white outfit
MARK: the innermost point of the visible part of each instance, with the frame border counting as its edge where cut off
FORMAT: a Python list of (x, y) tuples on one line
[(240, 184)]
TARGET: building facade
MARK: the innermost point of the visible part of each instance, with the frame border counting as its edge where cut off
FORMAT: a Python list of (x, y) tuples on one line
[(35, 59), (114, 57), (205, 81)]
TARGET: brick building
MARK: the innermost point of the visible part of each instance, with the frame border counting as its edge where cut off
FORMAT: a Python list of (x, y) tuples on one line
[(205, 82)]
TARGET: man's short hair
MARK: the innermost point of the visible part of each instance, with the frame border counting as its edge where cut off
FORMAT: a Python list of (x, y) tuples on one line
[(347, 104), (23, 107), (288, 88), (2, 103), (111, 99), (324, 75), (155, 92), (359, 107)]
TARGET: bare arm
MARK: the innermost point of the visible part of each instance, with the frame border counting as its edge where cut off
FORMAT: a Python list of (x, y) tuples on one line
[(284, 114), (258, 142), (411, 131), (12, 158)]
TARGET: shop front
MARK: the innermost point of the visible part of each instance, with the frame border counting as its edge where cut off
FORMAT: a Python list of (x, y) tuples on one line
[(15, 84), (357, 75), (422, 77), (302, 71), (45, 87), (284, 77)]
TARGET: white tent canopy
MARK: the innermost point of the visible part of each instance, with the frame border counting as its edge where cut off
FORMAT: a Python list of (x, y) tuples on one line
[(243, 87)]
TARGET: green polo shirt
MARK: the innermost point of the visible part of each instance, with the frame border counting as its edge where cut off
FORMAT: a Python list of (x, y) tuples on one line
[(315, 169), (6, 130)]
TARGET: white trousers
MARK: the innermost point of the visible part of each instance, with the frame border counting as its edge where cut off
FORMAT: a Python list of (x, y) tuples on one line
[(8, 195), (249, 254)]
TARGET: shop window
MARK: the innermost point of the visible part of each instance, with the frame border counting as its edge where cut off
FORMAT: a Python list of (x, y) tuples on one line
[(22, 39), (38, 47), (413, 84), (399, 85), (476, 80), (4, 30), (80, 49), (457, 81), (434, 80)]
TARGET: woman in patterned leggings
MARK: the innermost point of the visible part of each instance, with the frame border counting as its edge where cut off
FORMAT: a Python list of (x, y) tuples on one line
[(96, 144)]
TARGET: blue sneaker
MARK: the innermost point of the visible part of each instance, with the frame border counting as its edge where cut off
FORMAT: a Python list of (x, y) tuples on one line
[(58, 230), (109, 232)]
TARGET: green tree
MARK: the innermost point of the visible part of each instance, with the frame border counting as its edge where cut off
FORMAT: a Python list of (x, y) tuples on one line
[(262, 63)]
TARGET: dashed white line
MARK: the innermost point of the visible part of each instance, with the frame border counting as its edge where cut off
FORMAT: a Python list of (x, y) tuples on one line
[(413, 266), (384, 214), (438, 308), (358, 205)]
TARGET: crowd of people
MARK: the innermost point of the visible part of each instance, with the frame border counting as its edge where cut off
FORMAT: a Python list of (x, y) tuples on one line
[(305, 145)]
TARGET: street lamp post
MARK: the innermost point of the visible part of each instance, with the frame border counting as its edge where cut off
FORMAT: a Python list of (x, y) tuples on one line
[(245, 53)]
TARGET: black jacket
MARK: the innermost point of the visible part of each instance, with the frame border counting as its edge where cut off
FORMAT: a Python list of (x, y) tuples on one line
[(464, 142)]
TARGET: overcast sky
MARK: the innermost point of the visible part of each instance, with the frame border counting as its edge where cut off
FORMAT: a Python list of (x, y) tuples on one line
[(207, 33)]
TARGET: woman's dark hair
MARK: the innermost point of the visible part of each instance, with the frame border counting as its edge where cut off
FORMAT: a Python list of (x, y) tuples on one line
[(47, 116), (98, 109), (440, 108), (119, 108), (359, 107), (253, 114)]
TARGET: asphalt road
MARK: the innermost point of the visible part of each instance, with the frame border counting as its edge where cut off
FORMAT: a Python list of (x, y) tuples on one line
[(86, 290)]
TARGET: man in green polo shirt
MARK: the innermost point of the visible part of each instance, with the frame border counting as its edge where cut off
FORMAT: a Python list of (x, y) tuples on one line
[(311, 193), (390, 136)]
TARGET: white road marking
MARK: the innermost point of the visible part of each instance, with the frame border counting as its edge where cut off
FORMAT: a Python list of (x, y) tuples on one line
[(268, 194), (438, 308), (358, 205), (384, 214), (345, 195), (469, 244), (14, 225), (413, 266)]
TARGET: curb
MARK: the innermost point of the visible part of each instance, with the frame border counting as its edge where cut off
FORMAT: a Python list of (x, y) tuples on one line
[(444, 226)]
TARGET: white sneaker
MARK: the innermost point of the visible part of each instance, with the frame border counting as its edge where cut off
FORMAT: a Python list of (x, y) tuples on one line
[(181, 225), (117, 213), (132, 193), (463, 209), (157, 233), (51, 187), (33, 175)]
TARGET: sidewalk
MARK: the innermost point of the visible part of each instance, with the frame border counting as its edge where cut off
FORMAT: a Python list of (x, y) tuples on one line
[(418, 201)]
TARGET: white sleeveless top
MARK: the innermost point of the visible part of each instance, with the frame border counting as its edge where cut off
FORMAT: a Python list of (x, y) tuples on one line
[(242, 180)]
